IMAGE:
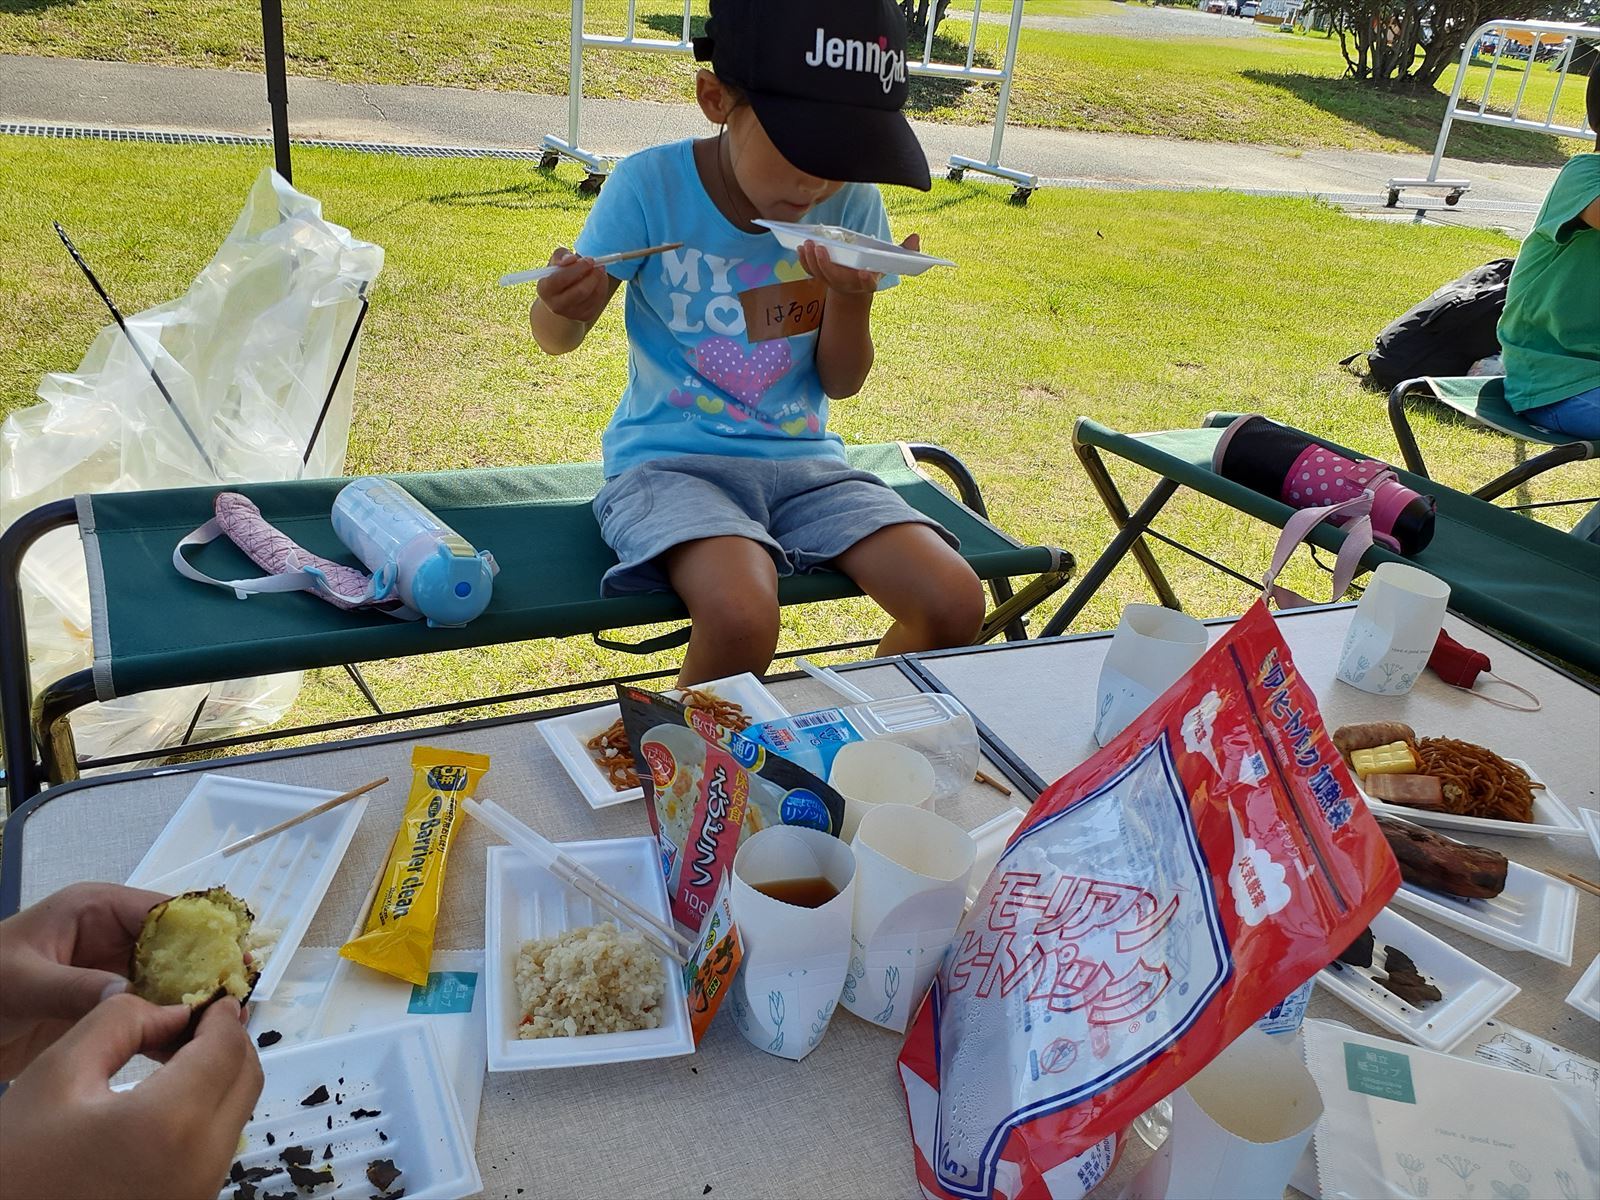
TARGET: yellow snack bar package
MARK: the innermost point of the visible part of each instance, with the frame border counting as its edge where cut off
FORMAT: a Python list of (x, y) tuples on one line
[(398, 938)]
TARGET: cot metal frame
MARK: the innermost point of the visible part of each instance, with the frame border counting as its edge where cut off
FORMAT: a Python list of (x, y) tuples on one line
[(37, 731)]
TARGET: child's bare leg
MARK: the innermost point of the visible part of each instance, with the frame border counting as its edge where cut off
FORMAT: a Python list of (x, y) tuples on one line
[(730, 587), (914, 575)]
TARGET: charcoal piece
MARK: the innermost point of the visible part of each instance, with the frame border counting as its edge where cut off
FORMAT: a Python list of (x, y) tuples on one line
[(359, 1113), (1359, 952), (320, 1096), (245, 1191), (289, 1195), (306, 1179), (382, 1136), (268, 1037), (257, 1174), (236, 1172), (327, 1152), (296, 1156), (271, 1141), (381, 1172)]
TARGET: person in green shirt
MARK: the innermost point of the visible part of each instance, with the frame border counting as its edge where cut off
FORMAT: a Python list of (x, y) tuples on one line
[(1550, 330)]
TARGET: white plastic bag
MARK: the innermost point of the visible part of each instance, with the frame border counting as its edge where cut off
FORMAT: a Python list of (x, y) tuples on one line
[(248, 355)]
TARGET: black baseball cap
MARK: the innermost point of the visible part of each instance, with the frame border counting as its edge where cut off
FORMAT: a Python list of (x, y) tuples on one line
[(827, 79)]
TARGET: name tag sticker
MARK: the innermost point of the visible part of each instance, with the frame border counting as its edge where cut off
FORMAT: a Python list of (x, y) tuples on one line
[(783, 309)]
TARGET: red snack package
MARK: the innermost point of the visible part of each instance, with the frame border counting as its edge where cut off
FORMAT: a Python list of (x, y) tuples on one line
[(1156, 902)]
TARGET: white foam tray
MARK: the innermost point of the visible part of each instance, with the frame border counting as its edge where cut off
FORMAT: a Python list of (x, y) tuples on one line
[(1591, 825), (1551, 818), (524, 901), (1585, 997), (567, 735), (1534, 913), (282, 879), (855, 250), (1472, 992), (397, 1071), (989, 839)]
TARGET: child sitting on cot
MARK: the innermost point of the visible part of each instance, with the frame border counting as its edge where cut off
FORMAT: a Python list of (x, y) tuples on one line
[(721, 475)]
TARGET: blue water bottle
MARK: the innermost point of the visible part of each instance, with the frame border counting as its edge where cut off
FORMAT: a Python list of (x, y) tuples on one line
[(411, 553)]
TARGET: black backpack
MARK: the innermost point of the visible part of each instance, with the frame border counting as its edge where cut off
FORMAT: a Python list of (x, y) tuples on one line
[(1447, 332)]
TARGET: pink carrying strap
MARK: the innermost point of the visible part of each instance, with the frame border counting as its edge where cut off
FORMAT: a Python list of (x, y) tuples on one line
[(294, 568), (1358, 539)]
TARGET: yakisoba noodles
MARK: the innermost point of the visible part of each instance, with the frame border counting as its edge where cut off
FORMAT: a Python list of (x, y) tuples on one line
[(1476, 781), (610, 751)]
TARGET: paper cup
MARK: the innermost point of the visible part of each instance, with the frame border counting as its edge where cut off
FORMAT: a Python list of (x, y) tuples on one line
[(1151, 649), (911, 888), (795, 958), (1393, 630), (1238, 1127), (871, 773)]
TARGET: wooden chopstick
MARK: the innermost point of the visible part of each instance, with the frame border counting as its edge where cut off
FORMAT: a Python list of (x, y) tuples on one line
[(991, 781), (1577, 881), (245, 843), (605, 260)]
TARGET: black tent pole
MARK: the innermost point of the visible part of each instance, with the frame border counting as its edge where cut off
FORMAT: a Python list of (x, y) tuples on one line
[(277, 82)]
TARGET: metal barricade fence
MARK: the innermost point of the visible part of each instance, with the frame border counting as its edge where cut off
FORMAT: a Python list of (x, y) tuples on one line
[(571, 146), (1506, 33)]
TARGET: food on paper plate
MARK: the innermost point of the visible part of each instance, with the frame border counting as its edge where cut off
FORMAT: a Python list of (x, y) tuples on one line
[(611, 753), (1442, 864), (1448, 774), (592, 979), (195, 948)]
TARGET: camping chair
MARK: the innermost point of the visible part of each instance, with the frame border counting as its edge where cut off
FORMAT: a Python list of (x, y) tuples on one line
[(1525, 579), (1482, 398), (154, 629)]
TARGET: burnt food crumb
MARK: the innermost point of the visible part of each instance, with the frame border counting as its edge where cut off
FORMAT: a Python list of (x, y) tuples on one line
[(320, 1096), (307, 1179), (269, 1037), (271, 1141), (381, 1173), (359, 1113), (296, 1156), (327, 1152)]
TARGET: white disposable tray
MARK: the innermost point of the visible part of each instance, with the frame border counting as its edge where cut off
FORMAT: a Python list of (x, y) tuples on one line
[(1591, 825), (396, 1071), (1535, 913), (1586, 996), (1472, 992), (1551, 818), (855, 250), (568, 735), (990, 841), (523, 901), (282, 879)]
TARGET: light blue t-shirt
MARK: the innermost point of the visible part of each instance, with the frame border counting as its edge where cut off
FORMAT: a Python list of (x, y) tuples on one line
[(696, 384)]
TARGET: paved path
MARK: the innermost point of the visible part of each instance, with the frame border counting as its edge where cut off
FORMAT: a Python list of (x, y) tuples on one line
[(138, 96)]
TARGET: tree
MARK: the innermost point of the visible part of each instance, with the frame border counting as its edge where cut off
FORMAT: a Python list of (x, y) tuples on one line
[(916, 15), (1405, 45)]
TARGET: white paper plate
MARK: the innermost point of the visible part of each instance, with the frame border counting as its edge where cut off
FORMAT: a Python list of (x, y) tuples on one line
[(282, 879), (524, 901), (1472, 992), (568, 735), (1551, 818), (990, 842), (1591, 824), (1535, 913), (1586, 996), (395, 1070), (855, 250)]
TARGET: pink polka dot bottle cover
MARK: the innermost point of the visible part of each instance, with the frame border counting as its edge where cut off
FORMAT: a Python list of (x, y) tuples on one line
[(1303, 473)]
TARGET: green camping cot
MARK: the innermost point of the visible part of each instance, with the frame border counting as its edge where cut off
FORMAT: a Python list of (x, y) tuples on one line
[(1527, 580), (152, 628), (1482, 399)]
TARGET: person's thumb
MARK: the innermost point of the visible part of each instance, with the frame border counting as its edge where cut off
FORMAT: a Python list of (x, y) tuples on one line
[(99, 1045)]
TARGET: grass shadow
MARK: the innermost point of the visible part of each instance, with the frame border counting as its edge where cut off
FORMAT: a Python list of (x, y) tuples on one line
[(1413, 120), (15, 7), (926, 94)]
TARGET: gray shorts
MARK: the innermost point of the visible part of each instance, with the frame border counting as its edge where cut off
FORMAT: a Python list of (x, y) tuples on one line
[(805, 511)]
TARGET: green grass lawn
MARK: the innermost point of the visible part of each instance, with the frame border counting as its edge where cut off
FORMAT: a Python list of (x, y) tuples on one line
[(1143, 310), (1281, 90)]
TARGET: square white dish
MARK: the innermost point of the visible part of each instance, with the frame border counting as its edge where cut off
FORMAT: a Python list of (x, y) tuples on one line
[(1472, 993), (1585, 997), (855, 250), (524, 901), (1551, 818), (395, 1071), (1534, 913), (568, 735), (282, 879), (1591, 825)]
